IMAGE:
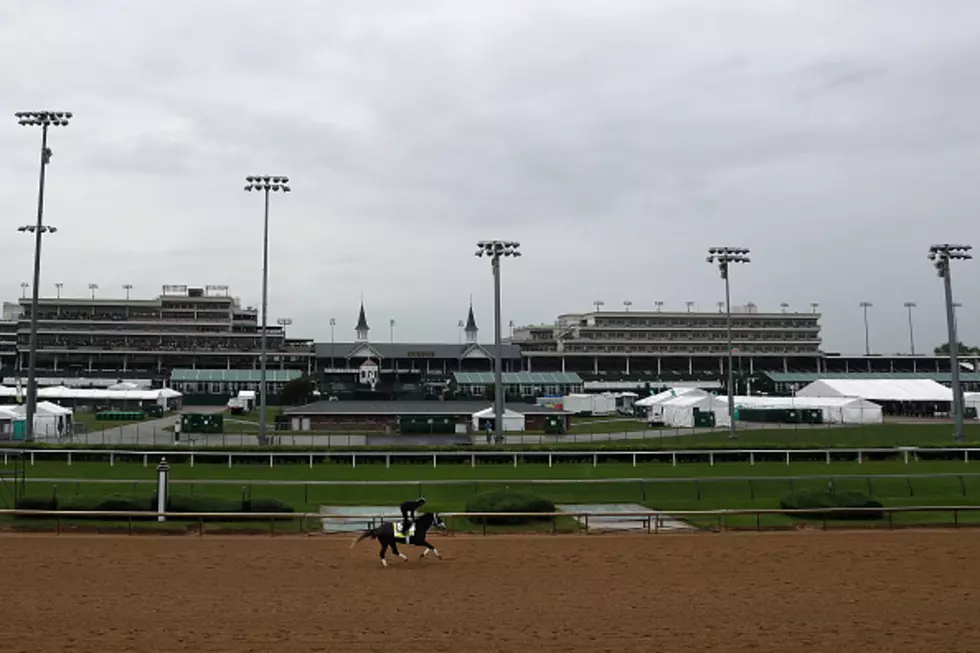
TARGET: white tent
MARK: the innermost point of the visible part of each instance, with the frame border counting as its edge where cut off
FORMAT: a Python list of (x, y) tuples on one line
[(666, 395), (513, 421), (972, 399), (679, 411), (909, 390), (50, 420), (836, 410)]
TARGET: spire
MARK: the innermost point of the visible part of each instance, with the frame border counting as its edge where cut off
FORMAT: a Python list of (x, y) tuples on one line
[(362, 327), (471, 329)]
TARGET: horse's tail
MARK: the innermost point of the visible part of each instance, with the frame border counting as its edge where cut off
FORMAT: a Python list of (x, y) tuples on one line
[(372, 533)]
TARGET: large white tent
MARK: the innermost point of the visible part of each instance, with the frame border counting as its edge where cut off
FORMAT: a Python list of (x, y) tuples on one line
[(513, 421), (972, 399), (836, 410), (892, 390), (162, 396), (679, 411), (667, 395)]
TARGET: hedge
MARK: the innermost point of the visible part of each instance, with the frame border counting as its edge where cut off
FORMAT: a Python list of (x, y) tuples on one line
[(176, 503), (817, 499), (508, 501)]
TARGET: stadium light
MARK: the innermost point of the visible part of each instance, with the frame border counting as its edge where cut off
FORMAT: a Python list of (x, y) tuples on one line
[(627, 304), (494, 250), (127, 287), (941, 255), (93, 287), (391, 329), (598, 305), (44, 120), (783, 306), (910, 306), (659, 305), (690, 306), (23, 289), (814, 306), (265, 184), (57, 288), (867, 333), (333, 326), (723, 257)]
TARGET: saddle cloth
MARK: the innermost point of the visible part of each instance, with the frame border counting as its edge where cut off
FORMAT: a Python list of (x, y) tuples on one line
[(399, 534)]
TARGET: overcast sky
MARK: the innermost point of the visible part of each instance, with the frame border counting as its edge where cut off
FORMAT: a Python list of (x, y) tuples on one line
[(616, 140)]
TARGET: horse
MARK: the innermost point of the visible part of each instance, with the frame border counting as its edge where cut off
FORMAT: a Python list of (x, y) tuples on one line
[(389, 534)]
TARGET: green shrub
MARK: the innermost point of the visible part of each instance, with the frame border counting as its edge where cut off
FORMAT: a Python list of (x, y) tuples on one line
[(508, 501), (266, 505), (816, 500), (37, 503)]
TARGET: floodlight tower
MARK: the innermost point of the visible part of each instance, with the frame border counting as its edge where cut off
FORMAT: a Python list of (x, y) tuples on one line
[(93, 287), (867, 333), (266, 185), (23, 289), (44, 120), (598, 305), (659, 305), (627, 304), (910, 306), (127, 287), (57, 289), (723, 257), (494, 250), (941, 255)]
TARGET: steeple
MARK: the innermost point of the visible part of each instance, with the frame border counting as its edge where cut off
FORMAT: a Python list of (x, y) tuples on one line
[(362, 327), (471, 329)]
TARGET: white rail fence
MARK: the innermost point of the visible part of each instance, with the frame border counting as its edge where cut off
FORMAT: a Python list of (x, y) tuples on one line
[(710, 456), (652, 520)]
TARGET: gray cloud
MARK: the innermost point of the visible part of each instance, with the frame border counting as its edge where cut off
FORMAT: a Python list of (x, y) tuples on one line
[(617, 141)]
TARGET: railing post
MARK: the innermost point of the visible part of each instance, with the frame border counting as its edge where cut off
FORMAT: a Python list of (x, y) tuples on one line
[(69, 459), (634, 460), (353, 461), (112, 459), (270, 461), (515, 461), (595, 460), (711, 458), (549, 460), (751, 458), (387, 461), (787, 456), (673, 457), (433, 461), (828, 456)]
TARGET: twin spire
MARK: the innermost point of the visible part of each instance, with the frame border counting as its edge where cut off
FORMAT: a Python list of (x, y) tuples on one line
[(363, 329)]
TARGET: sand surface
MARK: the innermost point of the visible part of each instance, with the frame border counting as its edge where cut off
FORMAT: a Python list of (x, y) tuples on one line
[(882, 591)]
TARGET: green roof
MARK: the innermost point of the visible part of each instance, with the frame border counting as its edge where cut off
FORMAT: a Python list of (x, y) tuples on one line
[(807, 377), (235, 376), (518, 378)]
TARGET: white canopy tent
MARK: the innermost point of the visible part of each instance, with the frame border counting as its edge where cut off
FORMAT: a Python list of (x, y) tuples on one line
[(667, 395), (50, 420), (513, 421), (679, 411), (162, 396), (836, 410), (892, 390), (972, 399)]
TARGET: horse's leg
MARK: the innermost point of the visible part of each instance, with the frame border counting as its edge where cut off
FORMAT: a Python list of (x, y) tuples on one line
[(394, 549), (384, 549), (429, 547)]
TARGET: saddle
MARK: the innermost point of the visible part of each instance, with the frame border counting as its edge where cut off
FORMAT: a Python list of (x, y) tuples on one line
[(400, 534)]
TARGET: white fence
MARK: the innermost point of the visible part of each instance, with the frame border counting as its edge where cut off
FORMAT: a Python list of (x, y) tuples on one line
[(354, 458), (651, 520)]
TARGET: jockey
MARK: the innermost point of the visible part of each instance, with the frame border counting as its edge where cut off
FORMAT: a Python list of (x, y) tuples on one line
[(408, 509)]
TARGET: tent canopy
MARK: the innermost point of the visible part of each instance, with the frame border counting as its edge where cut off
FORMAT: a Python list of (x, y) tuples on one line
[(879, 389), (836, 410), (667, 395)]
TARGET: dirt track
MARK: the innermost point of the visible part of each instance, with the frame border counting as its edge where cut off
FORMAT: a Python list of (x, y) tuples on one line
[(900, 591)]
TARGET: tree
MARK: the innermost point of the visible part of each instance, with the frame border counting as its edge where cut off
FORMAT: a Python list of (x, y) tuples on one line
[(297, 392), (961, 349)]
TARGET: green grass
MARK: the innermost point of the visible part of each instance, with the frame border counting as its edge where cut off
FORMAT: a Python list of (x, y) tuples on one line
[(91, 424)]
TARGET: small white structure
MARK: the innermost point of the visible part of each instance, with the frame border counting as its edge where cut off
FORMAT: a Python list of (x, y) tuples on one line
[(836, 410), (51, 421), (666, 395), (972, 399), (513, 421), (891, 390), (679, 411), (589, 404)]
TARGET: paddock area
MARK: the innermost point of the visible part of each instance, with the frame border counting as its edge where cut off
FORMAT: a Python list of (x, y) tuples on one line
[(813, 591)]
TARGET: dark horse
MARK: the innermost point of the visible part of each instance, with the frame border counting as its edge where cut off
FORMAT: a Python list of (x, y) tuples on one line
[(389, 534)]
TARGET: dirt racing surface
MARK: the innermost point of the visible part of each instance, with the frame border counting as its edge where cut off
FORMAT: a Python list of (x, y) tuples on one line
[(899, 591)]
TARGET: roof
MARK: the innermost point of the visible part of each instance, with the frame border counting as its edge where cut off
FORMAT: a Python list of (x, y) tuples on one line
[(879, 389), (235, 376), (807, 377), (404, 350), (758, 401), (518, 378), (471, 321), (411, 408), (362, 324)]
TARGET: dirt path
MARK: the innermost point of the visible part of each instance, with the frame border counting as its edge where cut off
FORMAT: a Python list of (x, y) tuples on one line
[(868, 592)]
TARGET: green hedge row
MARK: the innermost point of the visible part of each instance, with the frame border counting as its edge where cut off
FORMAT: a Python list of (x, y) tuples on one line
[(179, 503), (814, 500), (508, 501)]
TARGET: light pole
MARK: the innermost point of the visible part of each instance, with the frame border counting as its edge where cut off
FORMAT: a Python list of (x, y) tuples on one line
[(941, 255), (721, 307), (391, 330), (511, 325), (284, 322), (690, 306), (459, 330), (494, 249), (57, 289), (723, 257), (814, 306), (44, 120), (659, 305), (23, 289), (127, 287), (910, 306), (93, 287), (783, 306), (867, 333), (333, 325), (627, 305), (598, 305), (266, 185)]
